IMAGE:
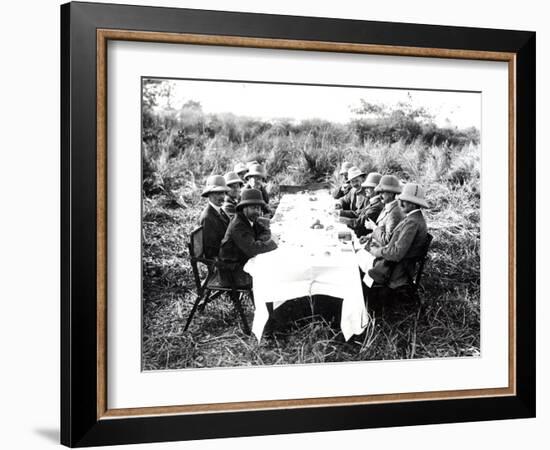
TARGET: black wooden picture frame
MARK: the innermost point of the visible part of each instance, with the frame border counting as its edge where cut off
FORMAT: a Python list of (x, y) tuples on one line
[(82, 421)]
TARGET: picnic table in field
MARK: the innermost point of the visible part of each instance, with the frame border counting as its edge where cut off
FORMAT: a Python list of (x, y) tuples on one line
[(316, 256)]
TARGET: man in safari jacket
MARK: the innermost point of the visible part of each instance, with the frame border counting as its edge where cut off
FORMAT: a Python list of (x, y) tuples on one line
[(240, 169), (391, 215), (373, 207), (344, 188), (409, 238), (356, 199)]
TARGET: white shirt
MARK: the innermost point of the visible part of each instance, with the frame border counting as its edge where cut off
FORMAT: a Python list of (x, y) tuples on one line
[(217, 208)]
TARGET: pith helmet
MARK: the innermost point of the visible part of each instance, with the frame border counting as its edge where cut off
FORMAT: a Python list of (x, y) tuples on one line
[(232, 178), (214, 183), (250, 197), (345, 168), (355, 172), (414, 193), (372, 180), (255, 170), (239, 168), (389, 183)]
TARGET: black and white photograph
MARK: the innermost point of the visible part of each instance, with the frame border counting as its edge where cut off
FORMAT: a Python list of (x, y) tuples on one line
[(295, 223), (275, 224)]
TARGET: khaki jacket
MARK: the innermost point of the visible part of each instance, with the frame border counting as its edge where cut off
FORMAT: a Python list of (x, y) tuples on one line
[(354, 200), (386, 223), (406, 245), (372, 210)]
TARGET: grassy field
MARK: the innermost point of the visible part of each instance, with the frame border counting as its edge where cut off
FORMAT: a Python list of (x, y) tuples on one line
[(180, 151), (447, 325)]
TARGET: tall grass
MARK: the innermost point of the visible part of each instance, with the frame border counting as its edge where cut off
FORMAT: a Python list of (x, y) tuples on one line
[(177, 144), (180, 151)]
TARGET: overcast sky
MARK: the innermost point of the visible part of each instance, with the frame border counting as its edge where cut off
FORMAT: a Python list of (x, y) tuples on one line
[(270, 101)]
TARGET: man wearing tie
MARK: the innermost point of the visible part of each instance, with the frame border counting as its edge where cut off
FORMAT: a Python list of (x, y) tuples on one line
[(213, 219)]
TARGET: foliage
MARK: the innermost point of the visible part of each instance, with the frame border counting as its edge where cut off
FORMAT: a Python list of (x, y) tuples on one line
[(402, 140), (408, 124), (180, 148)]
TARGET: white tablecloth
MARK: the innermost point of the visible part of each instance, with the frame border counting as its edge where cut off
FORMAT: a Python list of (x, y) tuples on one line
[(308, 262), (365, 261)]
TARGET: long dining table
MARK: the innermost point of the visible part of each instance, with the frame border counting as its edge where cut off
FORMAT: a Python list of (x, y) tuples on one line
[(316, 255)]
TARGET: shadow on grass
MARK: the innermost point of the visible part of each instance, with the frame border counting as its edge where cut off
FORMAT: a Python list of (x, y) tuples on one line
[(306, 330)]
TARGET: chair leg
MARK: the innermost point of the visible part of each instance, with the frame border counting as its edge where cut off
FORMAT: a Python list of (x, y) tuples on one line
[(237, 302), (208, 299), (416, 297), (251, 296), (193, 310)]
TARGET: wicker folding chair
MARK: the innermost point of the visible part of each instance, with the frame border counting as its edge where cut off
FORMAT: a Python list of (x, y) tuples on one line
[(210, 287)]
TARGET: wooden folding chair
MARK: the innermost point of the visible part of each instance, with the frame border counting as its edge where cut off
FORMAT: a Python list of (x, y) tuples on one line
[(420, 262), (382, 293), (210, 287)]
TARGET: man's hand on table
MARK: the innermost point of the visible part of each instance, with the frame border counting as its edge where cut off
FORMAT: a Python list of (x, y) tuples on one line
[(337, 206)]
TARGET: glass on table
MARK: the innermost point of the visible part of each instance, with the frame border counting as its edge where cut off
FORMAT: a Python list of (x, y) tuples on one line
[(344, 236)]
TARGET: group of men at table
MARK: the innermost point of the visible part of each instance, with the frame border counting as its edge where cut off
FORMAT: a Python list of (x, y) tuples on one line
[(385, 215), (234, 225)]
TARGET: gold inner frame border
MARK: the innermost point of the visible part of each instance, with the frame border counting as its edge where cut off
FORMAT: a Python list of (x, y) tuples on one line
[(103, 36)]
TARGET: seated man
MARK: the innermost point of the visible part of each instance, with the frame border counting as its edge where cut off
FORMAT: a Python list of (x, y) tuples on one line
[(373, 208), (245, 238), (232, 197), (344, 188), (406, 245), (240, 169), (390, 216), (356, 199), (255, 179), (213, 219)]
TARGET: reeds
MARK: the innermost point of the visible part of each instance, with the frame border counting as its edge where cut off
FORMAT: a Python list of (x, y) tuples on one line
[(175, 165), (446, 327)]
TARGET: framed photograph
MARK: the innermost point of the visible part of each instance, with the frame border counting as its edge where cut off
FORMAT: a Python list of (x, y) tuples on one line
[(278, 224)]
